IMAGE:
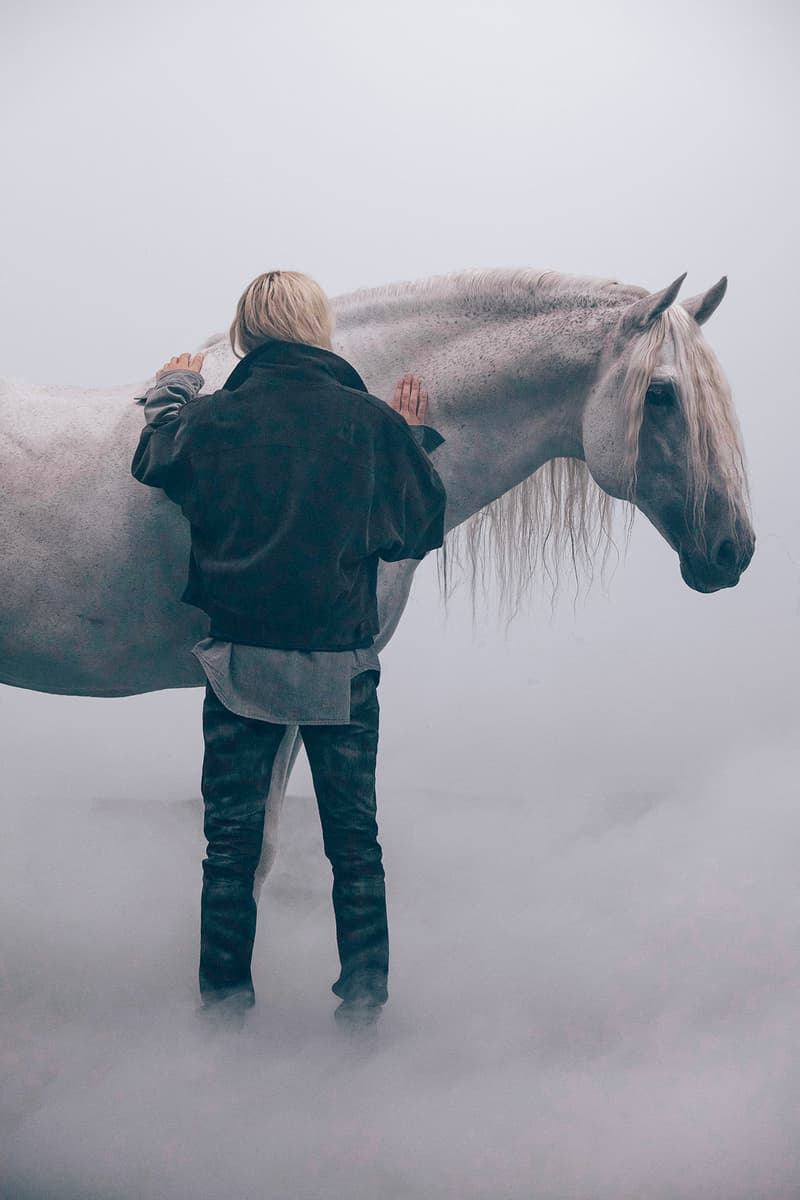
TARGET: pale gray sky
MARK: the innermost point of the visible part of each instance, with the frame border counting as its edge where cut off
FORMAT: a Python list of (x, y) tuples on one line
[(588, 825)]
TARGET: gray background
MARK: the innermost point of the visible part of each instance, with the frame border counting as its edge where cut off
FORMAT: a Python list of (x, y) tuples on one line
[(589, 820)]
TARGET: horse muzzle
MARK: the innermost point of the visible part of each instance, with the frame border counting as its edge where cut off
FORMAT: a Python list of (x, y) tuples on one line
[(721, 568)]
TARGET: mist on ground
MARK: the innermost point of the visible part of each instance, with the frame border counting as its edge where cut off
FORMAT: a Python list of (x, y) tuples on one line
[(589, 819)]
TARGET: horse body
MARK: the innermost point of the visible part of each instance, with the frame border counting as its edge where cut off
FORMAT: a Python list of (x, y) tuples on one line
[(523, 368), (93, 563)]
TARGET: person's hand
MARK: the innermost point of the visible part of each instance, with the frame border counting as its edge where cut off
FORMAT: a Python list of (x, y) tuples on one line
[(410, 400), (183, 362)]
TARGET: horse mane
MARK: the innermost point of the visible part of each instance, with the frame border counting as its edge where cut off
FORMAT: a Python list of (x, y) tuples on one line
[(559, 514), (511, 290)]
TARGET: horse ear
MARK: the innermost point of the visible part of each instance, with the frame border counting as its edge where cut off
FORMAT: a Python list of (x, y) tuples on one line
[(703, 305), (638, 315)]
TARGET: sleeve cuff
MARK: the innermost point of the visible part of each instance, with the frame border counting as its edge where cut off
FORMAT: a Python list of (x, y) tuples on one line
[(169, 394), (426, 436), (187, 382)]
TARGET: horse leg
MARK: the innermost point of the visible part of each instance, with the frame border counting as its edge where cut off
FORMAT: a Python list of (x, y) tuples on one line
[(394, 586), (281, 770)]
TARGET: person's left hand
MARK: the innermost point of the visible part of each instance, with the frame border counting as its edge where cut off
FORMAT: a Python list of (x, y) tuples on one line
[(182, 362)]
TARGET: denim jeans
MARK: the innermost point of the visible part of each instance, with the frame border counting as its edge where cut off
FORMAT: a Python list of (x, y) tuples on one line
[(237, 769)]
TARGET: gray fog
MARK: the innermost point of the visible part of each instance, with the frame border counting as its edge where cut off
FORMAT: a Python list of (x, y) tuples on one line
[(589, 818)]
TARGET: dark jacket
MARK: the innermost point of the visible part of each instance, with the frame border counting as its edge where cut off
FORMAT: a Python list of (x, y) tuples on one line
[(295, 481)]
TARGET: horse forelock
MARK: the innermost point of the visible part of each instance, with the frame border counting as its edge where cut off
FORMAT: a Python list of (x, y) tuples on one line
[(714, 441)]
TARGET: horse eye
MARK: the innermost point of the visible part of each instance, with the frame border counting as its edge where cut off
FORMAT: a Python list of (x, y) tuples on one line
[(660, 394)]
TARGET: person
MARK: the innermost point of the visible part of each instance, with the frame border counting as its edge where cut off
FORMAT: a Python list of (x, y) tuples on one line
[(296, 481)]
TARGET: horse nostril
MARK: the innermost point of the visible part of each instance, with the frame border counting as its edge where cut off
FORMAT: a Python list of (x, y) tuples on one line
[(726, 554)]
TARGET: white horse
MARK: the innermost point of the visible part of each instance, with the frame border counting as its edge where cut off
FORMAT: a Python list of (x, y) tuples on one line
[(554, 392)]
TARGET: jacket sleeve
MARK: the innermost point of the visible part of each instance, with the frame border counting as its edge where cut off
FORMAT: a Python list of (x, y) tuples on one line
[(408, 510), (160, 459)]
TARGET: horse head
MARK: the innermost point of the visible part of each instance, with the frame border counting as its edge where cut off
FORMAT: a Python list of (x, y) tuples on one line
[(660, 430)]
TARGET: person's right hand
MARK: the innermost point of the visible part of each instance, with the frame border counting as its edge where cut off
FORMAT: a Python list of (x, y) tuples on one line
[(410, 400)]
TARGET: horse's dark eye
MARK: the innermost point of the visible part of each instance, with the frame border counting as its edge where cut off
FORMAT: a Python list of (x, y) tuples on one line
[(661, 395)]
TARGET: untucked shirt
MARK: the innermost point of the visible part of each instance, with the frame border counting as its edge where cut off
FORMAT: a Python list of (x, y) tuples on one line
[(287, 687)]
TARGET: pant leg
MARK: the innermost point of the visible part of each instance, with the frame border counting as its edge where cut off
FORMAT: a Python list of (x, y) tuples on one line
[(237, 772), (342, 760)]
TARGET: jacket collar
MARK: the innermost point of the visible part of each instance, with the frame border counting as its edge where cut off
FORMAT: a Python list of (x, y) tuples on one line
[(276, 353)]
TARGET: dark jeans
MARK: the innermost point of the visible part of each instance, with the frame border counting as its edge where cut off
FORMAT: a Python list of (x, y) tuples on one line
[(237, 769)]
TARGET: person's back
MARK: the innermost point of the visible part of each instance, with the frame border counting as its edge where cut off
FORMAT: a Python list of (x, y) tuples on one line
[(296, 481)]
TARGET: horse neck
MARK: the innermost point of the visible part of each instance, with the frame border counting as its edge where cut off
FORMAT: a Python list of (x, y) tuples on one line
[(507, 375)]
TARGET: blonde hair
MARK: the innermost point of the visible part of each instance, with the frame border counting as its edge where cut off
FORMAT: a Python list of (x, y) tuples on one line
[(288, 305)]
